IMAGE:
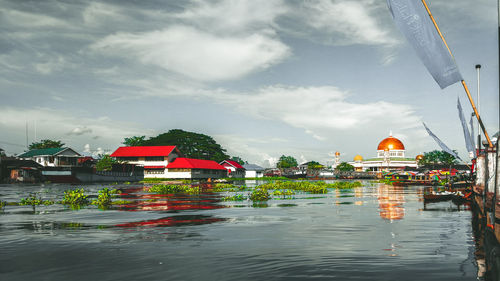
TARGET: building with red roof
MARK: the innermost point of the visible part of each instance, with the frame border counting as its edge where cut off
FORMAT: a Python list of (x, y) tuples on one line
[(154, 158), (168, 162), (188, 168), (234, 169)]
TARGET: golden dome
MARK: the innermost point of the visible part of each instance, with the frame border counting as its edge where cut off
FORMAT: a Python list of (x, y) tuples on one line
[(420, 156), (358, 158), (337, 153), (391, 143)]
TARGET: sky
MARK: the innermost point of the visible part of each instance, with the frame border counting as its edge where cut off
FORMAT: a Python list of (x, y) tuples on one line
[(263, 78)]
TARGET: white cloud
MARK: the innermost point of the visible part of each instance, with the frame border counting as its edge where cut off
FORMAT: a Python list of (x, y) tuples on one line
[(32, 20), (55, 124), (197, 54)]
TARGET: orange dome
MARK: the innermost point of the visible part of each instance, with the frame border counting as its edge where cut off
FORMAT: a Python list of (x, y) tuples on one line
[(337, 153), (420, 156), (358, 158), (391, 143)]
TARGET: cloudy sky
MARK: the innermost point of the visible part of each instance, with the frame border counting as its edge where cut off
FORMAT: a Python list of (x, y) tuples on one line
[(264, 78)]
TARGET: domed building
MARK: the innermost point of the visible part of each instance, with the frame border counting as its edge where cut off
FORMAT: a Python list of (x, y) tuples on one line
[(390, 156)]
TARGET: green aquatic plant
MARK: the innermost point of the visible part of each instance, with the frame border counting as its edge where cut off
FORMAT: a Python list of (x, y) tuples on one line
[(31, 200), (105, 197), (260, 194), (284, 193), (173, 188), (75, 197), (237, 197), (2, 204)]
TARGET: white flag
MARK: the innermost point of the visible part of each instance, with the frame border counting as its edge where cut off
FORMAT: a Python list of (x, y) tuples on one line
[(412, 19)]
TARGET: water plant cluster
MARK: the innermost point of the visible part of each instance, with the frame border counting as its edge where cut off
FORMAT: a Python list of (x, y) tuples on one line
[(173, 188)]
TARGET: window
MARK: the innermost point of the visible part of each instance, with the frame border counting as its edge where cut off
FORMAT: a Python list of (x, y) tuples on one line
[(154, 158), (154, 171)]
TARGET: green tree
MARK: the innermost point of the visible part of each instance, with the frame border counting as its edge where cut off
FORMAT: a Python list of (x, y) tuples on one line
[(286, 162), (437, 157), (344, 167), (46, 144), (105, 163), (313, 165), (238, 159), (134, 141), (192, 145)]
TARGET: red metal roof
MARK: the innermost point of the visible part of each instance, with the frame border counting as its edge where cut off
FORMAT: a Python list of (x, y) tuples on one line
[(189, 163), (234, 164), (140, 151)]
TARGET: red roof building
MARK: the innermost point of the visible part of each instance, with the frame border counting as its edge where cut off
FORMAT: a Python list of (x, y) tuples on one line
[(143, 151), (183, 168), (234, 168), (189, 163)]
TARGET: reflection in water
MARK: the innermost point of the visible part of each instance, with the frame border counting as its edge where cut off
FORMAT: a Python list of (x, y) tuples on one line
[(391, 199), (173, 221)]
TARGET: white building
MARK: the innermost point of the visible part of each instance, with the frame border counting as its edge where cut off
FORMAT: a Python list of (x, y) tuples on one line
[(52, 157), (390, 156), (234, 169), (253, 171), (167, 162)]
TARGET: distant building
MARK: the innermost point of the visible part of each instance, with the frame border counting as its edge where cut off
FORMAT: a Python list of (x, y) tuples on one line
[(390, 156), (154, 158), (187, 168), (234, 169), (52, 157), (253, 171), (168, 162)]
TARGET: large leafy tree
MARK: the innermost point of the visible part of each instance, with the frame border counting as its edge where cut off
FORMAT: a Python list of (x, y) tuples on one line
[(134, 141), (437, 157), (314, 165), (192, 145), (46, 144), (105, 163), (286, 162), (344, 167), (238, 159)]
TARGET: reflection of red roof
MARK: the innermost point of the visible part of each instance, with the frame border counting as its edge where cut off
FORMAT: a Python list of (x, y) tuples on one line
[(233, 163), (136, 151), (154, 167), (188, 163)]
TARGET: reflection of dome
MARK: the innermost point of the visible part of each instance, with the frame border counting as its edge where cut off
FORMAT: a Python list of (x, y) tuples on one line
[(420, 156), (391, 143), (358, 158)]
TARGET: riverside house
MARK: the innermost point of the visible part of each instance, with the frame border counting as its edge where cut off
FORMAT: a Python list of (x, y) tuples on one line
[(167, 162), (234, 169), (52, 157)]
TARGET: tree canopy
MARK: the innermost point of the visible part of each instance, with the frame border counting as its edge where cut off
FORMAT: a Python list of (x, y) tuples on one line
[(192, 145), (314, 165), (134, 141), (286, 162), (46, 144), (344, 167), (238, 159), (437, 157), (105, 163)]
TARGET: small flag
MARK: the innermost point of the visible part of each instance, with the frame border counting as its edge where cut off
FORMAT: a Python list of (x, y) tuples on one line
[(440, 143), (414, 22), (468, 141), (472, 135)]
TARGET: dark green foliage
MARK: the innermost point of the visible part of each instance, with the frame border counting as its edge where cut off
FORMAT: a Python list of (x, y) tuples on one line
[(437, 157), (46, 144), (260, 194), (286, 162), (344, 167), (238, 160), (314, 165), (75, 197), (105, 163), (237, 197), (134, 141), (192, 145)]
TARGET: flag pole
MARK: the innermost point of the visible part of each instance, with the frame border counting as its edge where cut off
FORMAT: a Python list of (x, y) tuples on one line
[(463, 82)]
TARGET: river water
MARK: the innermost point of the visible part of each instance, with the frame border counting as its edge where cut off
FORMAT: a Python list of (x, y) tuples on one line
[(375, 232)]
